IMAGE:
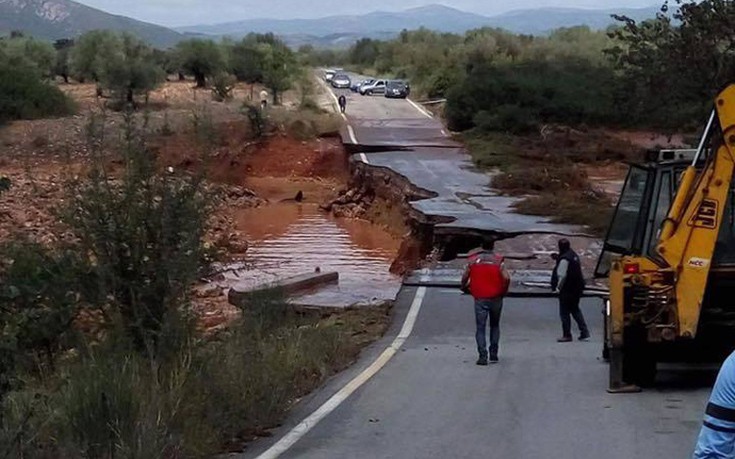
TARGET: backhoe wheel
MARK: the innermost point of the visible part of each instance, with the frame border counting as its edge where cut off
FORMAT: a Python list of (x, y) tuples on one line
[(639, 361), (605, 346), (617, 385)]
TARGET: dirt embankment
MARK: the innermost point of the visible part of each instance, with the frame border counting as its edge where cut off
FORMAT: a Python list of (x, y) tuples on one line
[(383, 197), (189, 132)]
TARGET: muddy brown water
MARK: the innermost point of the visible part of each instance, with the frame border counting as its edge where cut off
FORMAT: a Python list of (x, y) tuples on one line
[(288, 239)]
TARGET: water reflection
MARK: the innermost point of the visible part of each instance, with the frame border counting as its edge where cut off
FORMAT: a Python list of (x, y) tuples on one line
[(289, 239)]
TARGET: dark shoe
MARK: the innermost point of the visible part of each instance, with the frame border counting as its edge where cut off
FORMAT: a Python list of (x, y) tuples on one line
[(493, 359), (584, 337), (564, 339), (482, 361)]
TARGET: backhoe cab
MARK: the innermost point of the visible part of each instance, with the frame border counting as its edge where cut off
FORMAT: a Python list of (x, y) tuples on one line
[(670, 258)]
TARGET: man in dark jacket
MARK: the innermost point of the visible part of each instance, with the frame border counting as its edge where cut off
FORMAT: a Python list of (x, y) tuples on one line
[(567, 280)]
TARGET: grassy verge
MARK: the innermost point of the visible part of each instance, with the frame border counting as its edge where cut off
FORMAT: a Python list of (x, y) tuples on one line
[(577, 208), (99, 351), (197, 399), (309, 122), (548, 174)]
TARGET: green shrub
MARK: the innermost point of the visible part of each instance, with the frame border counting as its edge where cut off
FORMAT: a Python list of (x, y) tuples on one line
[(5, 183), (514, 97), (222, 86), (307, 103), (39, 299), (144, 232), (257, 119), (507, 118), (24, 95)]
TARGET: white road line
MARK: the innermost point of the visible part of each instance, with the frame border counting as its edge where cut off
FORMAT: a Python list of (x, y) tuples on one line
[(331, 93), (351, 131), (418, 107), (330, 405), (336, 108), (364, 159)]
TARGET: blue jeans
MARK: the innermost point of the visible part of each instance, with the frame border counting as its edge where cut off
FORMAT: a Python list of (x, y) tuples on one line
[(485, 308)]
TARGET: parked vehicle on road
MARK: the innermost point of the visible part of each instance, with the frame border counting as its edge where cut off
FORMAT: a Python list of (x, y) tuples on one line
[(329, 74), (341, 81), (357, 85), (397, 89), (376, 87)]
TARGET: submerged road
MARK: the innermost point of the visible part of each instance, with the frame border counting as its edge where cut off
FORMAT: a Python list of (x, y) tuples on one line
[(417, 393)]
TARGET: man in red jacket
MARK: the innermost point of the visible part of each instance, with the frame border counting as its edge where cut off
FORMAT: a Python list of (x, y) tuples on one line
[(487, 280)]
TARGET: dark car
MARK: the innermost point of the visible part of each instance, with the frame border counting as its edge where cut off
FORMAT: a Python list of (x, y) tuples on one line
[(397, 89)]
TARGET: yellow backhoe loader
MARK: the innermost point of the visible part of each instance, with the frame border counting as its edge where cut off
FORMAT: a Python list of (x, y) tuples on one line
[(670, 257)]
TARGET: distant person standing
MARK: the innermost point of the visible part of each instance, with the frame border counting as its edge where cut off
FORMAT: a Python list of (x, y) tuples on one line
[(567, 280), (487, 280), (263, 99), (342, 103)]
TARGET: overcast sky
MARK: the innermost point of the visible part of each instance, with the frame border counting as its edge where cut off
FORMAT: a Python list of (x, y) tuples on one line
[(190, 12)]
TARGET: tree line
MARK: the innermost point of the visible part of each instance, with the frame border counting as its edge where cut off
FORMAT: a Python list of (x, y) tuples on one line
[(662, 72), (125, 68)]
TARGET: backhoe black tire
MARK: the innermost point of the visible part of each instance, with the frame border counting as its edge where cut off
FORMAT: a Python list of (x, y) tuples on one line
[(605, 347), (639, 361)]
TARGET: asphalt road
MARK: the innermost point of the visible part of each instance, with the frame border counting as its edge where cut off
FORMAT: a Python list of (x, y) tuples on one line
[(427, 155), (543, 399)]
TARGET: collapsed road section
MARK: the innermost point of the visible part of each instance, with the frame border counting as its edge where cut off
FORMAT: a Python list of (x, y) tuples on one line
[(411, 159)]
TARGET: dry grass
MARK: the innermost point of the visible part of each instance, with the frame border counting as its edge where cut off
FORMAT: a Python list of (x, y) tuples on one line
[(549, 168), (590, 209), (542, 179), (305, 124)]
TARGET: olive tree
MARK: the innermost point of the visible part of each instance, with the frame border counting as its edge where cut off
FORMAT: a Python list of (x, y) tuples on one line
[(130, 69), (20, 50), (87, 55), (201, 58), (63, 49), (279, 67), (686, 52)]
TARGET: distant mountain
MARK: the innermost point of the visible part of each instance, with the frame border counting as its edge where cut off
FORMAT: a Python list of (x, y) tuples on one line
[(435, 17), (54, 19), (334, 41), (543, 20)]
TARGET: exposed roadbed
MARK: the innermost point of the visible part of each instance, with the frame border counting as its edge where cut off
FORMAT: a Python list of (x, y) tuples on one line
[(395, 134)]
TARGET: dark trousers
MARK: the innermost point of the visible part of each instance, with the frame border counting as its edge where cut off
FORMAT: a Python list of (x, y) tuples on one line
[(484, 309), (342, 108), (569, 306)]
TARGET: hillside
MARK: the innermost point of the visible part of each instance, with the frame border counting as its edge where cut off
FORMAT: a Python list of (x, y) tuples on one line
[(54, 19), (435, 17), (542, 20)]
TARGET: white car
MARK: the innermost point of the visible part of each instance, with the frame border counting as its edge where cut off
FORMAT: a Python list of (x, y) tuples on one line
[(376, 87), (329, 74)]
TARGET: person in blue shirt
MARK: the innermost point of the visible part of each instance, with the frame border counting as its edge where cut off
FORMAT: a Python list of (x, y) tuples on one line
[(717, 437)]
